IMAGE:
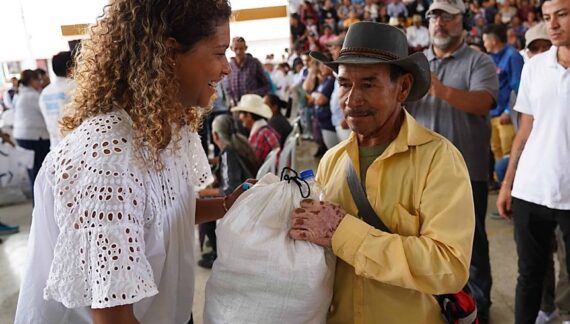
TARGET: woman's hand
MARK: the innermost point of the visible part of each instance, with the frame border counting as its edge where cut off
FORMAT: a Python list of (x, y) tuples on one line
[(231, 198), (209, 192)]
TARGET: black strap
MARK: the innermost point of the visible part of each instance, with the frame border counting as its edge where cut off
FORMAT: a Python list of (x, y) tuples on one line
[(365, 210), (368, 214)]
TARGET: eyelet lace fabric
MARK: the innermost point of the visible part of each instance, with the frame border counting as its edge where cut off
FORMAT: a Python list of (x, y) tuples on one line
[(105, 204)]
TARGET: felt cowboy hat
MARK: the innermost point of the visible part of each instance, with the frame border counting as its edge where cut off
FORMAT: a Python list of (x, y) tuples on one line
[(372, 43), (254, 104)]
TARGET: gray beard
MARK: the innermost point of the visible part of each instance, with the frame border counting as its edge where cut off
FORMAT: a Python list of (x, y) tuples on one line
[(444, 43)]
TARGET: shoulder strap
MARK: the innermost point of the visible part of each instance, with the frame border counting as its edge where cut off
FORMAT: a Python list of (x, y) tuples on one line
[(365, 210)]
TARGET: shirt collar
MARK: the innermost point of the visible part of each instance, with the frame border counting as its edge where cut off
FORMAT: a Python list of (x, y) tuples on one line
[(256, 126), (552, 56), (431, 55), (411, 134), (243, 64)]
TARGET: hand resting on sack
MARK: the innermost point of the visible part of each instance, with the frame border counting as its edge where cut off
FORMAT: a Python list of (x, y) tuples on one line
[(316, 221)]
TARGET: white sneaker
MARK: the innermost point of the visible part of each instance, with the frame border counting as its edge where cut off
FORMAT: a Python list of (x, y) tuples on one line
[(545, 318)]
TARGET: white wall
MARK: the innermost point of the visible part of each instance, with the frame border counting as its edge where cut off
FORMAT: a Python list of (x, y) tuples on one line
[(31, 29)]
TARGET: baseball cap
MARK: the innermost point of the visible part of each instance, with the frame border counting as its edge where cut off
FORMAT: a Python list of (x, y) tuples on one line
[(536, 32), (453, 7)]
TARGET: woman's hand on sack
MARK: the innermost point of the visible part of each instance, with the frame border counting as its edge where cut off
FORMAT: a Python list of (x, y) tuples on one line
[(316, 221), (239, 190)]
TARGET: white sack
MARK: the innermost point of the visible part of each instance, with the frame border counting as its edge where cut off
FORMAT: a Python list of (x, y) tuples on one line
[(14, 180), (261, 275)]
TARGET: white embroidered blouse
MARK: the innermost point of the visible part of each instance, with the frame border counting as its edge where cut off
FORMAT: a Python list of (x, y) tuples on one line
[(107, 231)]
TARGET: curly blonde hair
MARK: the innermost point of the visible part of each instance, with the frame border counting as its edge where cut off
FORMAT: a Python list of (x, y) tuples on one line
[(125, 64)]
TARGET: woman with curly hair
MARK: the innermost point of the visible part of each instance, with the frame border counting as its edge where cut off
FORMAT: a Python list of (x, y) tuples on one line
[(113, 229)]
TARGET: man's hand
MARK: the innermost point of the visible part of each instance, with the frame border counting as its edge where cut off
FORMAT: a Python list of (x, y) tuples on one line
[(504, 202), (505, 119), (437, 88), (316, 221)]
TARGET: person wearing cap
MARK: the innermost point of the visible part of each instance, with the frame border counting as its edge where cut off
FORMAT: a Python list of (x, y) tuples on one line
[(509, 65), (253, 115), (417, 34), (386, 277), (535, 192), (463, 90), (536, 40)]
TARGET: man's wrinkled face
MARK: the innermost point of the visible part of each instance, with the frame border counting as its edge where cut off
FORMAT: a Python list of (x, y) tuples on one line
[(369, 98)]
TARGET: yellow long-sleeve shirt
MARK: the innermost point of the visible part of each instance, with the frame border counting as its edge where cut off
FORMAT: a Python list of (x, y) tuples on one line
[(420, 189)]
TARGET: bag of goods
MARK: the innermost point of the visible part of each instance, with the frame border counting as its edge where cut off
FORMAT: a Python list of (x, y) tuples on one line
[(261, 275)]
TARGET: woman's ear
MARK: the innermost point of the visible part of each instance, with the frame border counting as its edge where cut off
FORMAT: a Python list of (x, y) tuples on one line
[(215, 136), (171, 46)]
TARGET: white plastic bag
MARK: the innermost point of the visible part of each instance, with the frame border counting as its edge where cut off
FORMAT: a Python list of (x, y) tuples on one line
[(14, 180), (261, 275)]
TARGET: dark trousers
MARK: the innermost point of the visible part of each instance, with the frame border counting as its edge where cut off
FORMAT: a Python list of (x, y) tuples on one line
[(41, 150), (534, 229), (480, 280), (208, 230)]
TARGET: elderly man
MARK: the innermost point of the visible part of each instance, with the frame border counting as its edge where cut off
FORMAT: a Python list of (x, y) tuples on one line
[(464, 88), (415, 182)]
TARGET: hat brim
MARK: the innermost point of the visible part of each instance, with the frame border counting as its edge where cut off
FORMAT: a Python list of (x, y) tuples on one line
[(444, 7), (416, 64), (263, 112)]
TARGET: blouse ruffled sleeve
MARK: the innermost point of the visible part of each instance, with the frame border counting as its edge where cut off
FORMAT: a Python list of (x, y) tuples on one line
[(99, 258)]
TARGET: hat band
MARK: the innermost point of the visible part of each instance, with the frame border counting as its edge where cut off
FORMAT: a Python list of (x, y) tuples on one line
[(369, 52)]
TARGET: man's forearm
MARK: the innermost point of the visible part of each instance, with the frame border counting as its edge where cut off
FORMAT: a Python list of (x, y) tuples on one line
[(517, 148), (516, 152), (473, 102), (210, 209), (117, 314)]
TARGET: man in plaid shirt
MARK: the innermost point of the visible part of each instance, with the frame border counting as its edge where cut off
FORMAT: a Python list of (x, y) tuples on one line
[(247, 75), (253, 114)]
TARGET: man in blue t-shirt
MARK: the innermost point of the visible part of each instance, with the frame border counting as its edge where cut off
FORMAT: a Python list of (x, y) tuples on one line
[(509, 67)]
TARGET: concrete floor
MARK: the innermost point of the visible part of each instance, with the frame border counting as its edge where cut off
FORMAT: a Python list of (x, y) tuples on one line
[(502, 248)]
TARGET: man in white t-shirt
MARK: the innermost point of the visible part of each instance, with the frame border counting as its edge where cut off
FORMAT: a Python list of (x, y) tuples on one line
[(537, 181), (56, 95)]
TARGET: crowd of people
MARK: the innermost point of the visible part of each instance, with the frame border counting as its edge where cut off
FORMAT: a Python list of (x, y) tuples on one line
[(472, 88), (33, 104), (315, 22)]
